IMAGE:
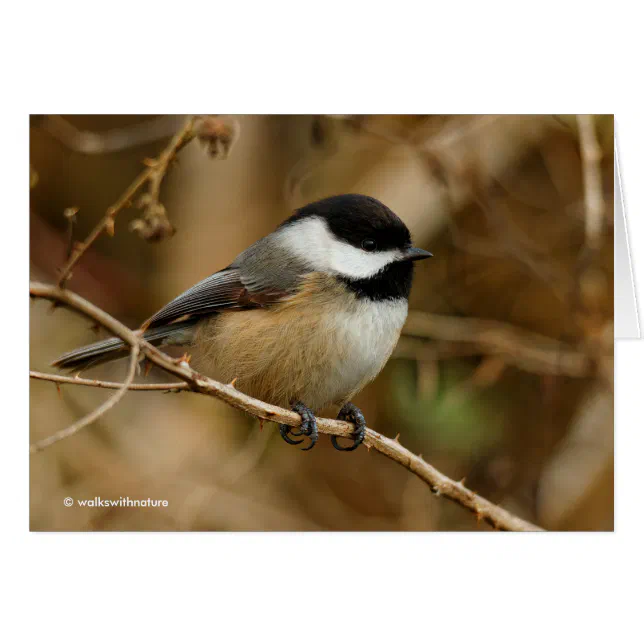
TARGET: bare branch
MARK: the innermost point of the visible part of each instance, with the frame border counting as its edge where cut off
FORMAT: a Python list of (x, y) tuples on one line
[(97, 413), (527, 350), (154, 224), (591, 155), (437, 482), (102, 384), (592, 284)]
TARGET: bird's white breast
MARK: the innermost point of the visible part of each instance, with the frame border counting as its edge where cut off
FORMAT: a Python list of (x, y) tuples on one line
[(364, 336)]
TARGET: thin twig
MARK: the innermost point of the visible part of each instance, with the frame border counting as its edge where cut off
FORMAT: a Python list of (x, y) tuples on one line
[(437, 482), (155, 225), (97, 413), (153, 173), (530, 351), (70, 216), (102, 384)]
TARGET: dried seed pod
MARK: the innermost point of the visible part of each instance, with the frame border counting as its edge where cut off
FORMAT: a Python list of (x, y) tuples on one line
[(217, 134)]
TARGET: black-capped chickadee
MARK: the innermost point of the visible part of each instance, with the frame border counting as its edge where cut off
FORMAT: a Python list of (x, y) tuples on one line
[(305, 317)]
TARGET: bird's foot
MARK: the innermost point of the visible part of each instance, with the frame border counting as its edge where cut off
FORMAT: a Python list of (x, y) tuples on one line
[(351, 414), (309, 427)]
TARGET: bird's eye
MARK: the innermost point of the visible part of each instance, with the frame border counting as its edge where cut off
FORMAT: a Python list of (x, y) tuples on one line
[(369, 245)]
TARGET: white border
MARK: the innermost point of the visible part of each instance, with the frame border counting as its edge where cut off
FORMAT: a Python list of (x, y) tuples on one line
[(323, 58)]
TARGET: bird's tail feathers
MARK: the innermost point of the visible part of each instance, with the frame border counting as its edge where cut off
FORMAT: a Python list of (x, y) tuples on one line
[(114, 348)]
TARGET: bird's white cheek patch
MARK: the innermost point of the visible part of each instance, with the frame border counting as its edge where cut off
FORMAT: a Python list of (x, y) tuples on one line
[(314, 244), (354, 262)]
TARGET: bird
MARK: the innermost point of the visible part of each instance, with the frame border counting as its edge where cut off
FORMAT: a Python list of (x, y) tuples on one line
[(303, 318)]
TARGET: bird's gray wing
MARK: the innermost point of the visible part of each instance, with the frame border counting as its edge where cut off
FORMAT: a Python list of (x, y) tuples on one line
[(259, 277), (265, 273), (225, 290)]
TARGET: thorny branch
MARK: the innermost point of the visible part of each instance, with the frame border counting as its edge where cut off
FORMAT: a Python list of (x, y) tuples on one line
[(106, 224), (215, 132), (154, 225), (102, 384), (438, 483), (97, 413)]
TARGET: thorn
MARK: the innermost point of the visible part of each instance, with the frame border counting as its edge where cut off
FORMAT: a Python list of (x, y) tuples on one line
[(148, 367), (462, 481), (60, 393), (185, 358), (479, 516), (109, 226), (150, 163), (397, 439), (232, 383), (53, 307), (261, 424)]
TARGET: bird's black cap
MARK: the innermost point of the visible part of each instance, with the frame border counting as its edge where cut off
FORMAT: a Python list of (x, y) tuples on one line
[(354, 218)]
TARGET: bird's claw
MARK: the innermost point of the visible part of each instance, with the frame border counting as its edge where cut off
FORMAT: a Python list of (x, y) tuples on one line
[(308, 427), (351, 414)]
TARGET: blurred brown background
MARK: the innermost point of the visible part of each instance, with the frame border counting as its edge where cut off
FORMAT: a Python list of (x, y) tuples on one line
[(499, 200)]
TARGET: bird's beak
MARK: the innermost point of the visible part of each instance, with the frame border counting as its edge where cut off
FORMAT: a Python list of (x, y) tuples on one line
[(412, 254)]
